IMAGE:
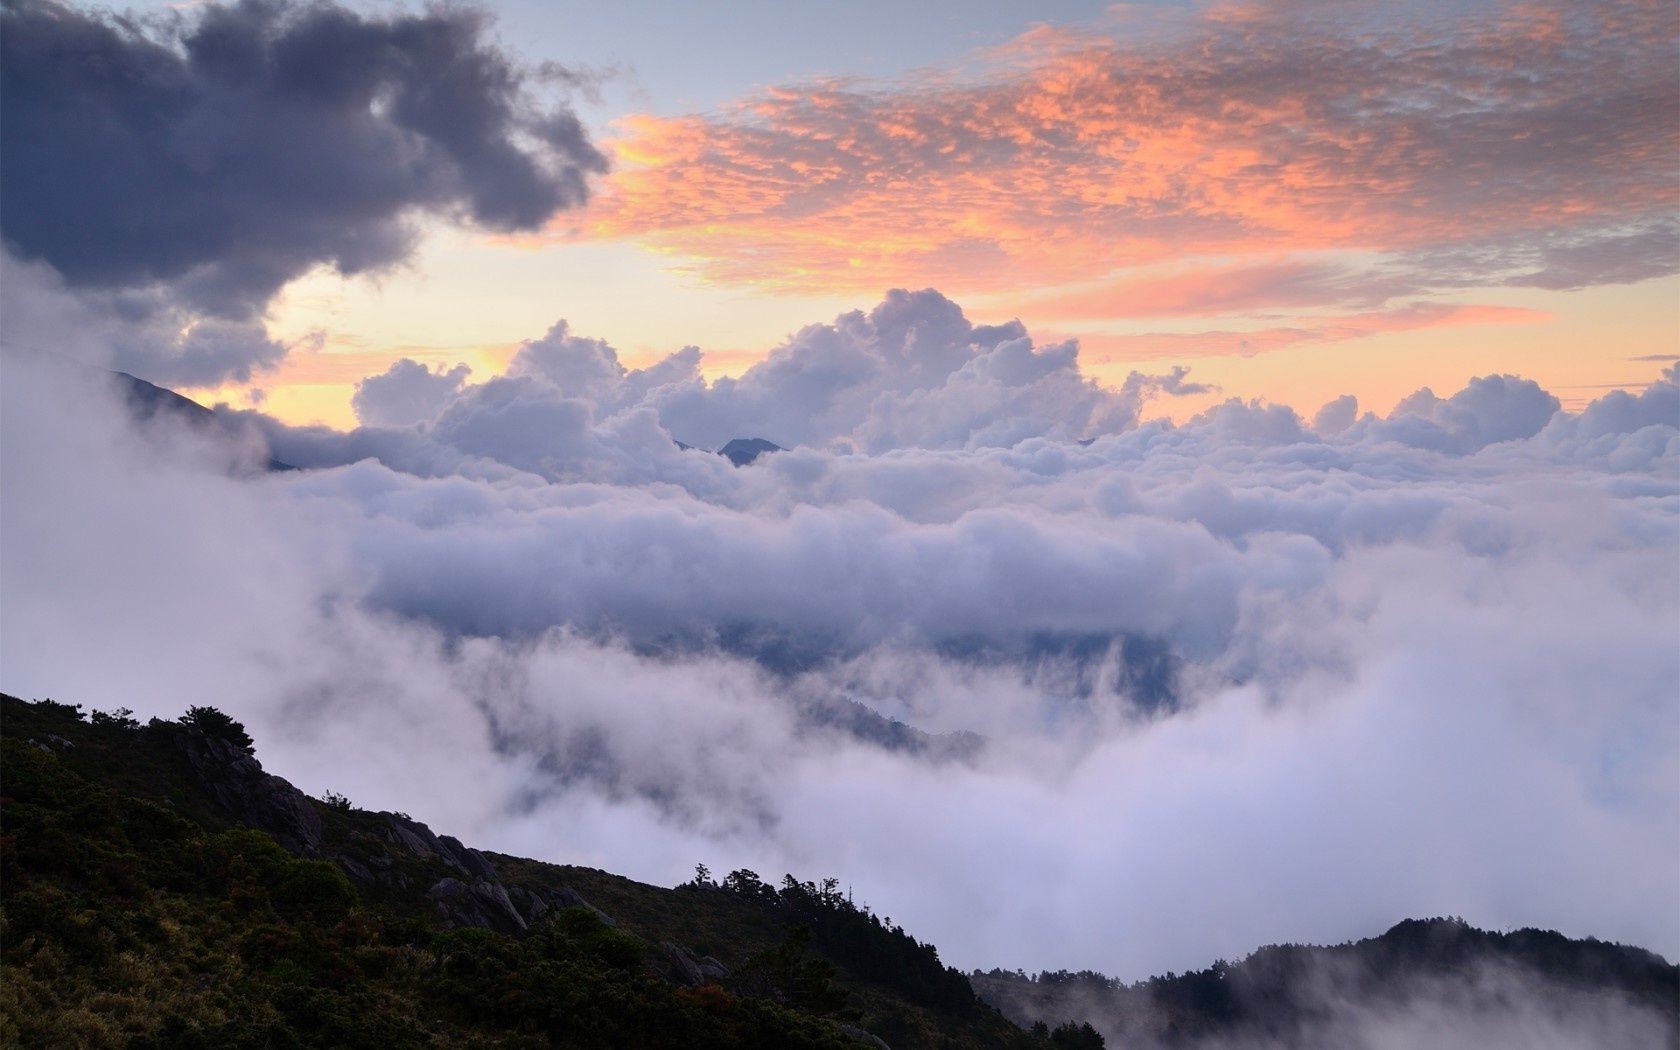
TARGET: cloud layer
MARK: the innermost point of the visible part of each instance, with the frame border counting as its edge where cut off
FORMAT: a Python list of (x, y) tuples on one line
[(1249, 679)]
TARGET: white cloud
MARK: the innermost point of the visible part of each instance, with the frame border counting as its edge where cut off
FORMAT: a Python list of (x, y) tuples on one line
[(1416, 665)]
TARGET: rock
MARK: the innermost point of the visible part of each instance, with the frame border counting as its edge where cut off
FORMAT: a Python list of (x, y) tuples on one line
[(712, 968), (566, 897), (483, 904), (411, 835), (237, 783), (355, 869), (684, 968), (852, 1031), (688, 971), (530, 904), (468, 860), (419, 840)]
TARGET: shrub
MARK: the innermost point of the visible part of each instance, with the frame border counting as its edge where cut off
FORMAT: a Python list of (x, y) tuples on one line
[(314, 888), (214, 723)]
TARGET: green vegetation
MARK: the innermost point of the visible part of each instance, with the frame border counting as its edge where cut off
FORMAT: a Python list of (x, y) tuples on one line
[(213, 723), (135, 911)]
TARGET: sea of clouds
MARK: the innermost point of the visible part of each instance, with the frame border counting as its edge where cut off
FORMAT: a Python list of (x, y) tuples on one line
[(1263, 676)]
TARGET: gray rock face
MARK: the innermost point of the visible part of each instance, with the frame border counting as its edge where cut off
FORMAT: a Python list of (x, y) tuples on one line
[(483, 904), (418, 839), (529, 903), (475, 896), (237, 783), (688, 970), (566, 897), (854, 1032)]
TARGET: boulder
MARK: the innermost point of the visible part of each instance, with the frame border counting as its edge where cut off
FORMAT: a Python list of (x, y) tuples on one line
[(852, 1031), (483, 904)]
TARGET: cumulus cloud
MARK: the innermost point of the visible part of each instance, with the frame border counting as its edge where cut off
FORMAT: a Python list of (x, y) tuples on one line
[(913, 372), (1410, 665), (1491, 409), (205, 160), (406, 393)]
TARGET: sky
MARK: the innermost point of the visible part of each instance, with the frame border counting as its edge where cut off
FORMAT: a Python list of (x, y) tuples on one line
[(1242, 442), (1293, 200)]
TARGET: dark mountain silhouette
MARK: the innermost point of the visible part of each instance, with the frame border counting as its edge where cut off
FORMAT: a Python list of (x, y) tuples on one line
[(742, 451), (1420, 973), (148, 402), (739, 451)]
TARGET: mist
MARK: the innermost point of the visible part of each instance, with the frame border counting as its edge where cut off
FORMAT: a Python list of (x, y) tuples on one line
[(1245, 680)]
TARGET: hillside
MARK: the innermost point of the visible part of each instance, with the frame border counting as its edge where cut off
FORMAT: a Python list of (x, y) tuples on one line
[(160, 889)]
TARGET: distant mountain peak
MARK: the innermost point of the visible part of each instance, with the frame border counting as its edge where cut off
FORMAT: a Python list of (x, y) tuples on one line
[(741, 451)]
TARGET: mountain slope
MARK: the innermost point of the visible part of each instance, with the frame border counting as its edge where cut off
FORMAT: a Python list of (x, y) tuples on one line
[(148, 402), (158, 887)]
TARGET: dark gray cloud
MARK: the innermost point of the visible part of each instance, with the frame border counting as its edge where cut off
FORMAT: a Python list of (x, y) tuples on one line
[(221, 154), (143, 331)]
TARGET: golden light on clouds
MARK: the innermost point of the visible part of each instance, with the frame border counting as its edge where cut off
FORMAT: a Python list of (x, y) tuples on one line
[(1259, 180)]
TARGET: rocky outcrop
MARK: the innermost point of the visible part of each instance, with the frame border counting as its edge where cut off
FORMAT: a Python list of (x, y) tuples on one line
[(535, 903), (236, 782), (417, 838), (473, 896), (852, 1031), (484, 904), (685, 969)]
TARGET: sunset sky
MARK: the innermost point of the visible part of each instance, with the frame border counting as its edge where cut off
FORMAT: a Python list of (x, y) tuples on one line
[(1244, 438), (1295, 200)]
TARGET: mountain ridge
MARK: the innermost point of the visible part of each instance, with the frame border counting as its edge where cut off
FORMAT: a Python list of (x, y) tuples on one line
[(325, 924)]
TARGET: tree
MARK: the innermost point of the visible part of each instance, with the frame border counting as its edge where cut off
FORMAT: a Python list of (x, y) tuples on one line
[(214, 723), (121, 718), (1071, 1036)]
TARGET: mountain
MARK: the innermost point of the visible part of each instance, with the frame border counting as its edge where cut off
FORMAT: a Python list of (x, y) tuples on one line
[(148, 402), (1432, 982), (742, 451), (159, 888)]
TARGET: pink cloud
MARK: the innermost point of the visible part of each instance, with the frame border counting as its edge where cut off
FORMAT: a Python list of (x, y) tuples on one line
[(1499, 140), (1180, 345)]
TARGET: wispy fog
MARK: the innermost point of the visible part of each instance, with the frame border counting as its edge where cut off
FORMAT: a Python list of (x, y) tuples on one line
[(1244, 680)]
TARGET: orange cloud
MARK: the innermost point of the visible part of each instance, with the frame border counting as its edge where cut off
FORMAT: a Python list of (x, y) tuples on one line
[(1501, 139), (1181, 345), (1192, 289)]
